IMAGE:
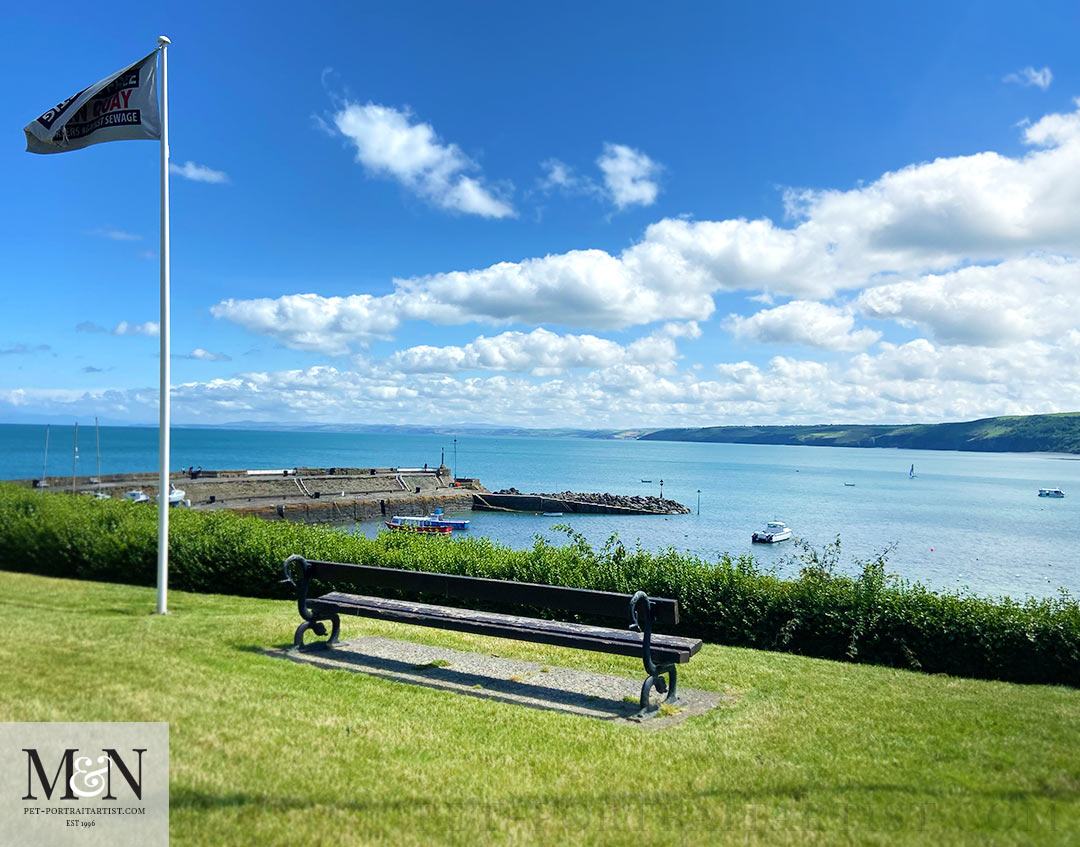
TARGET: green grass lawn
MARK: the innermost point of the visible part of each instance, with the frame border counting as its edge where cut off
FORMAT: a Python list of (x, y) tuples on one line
[(265, 751)]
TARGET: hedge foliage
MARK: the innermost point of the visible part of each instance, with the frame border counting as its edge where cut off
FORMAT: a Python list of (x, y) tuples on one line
[(872, 617)]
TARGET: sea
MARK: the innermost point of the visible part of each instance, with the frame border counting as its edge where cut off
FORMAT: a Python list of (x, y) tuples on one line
[(967, 522)]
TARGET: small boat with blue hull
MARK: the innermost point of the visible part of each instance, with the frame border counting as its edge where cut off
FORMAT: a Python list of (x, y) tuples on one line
[(417, 524), (439, 519), (1051, 492)]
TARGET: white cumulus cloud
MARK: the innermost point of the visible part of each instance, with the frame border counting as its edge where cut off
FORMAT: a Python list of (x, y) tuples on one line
[(208, 356), (912, 382), (803, 322), (198, 173), (389, 142), (912, 227), (917, 381), (629, 175), (313, 323), (148, 328), (1036, 297), (542, 352), (557, 174)]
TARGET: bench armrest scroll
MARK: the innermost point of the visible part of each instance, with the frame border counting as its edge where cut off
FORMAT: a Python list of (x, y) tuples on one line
[(306, 573)]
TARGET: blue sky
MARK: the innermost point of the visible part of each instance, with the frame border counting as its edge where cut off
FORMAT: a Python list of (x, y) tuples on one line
[(611, 214)]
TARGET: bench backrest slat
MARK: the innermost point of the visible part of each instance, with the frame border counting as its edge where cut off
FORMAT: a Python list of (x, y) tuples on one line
[(582, 600)]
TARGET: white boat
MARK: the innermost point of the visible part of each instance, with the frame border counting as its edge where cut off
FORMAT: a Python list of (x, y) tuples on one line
[(774, 531), (176, 497), (99, 495), (1051, 492), (136, 496)]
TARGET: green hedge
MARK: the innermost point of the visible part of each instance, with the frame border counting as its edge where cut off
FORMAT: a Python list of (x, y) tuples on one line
[(873, 617)]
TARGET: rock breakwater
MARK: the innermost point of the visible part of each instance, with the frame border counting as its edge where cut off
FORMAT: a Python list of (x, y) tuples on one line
[(605, 500)]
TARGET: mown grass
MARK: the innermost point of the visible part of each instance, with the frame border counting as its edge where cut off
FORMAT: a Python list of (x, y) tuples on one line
[(271, 752)]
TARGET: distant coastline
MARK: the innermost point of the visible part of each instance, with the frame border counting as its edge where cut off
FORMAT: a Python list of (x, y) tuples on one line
[(1058, 433)]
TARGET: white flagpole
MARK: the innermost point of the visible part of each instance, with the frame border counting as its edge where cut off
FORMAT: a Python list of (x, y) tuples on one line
[(163, 386)]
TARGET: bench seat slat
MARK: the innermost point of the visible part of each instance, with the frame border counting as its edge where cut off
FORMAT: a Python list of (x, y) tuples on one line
[(666, 648), (580, 600)]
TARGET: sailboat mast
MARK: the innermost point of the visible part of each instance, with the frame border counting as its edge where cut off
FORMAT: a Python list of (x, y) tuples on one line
[(75, 457), (45, 463), (97, 448)]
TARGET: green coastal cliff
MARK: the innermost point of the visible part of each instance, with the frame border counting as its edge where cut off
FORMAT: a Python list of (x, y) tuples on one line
[(1015, 434)]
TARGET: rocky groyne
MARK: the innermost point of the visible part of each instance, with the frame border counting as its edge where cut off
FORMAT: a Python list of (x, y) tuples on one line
[(574, 502)]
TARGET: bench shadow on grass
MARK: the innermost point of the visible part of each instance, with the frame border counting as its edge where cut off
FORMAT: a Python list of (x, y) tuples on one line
[(516, 691), (554, 689)]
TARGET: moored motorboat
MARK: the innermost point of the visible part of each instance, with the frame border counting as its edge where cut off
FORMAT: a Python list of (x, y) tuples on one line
[(774, 532), (1051, 492), (136, 496), (417, 524)]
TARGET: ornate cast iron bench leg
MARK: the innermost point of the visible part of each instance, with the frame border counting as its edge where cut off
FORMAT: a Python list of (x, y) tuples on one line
[(317, 627), (312, 621), (655, 678)]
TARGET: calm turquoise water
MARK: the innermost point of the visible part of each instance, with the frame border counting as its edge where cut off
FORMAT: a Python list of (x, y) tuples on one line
[(968, 520)]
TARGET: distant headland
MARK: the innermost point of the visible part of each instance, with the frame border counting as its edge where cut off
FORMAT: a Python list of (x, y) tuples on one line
[(1058, 433)]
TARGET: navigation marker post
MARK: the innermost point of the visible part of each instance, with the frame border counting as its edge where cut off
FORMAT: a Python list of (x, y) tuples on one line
[(124, 106)]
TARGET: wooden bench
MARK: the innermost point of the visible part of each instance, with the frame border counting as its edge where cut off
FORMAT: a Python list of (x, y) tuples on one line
[(660, 653)]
